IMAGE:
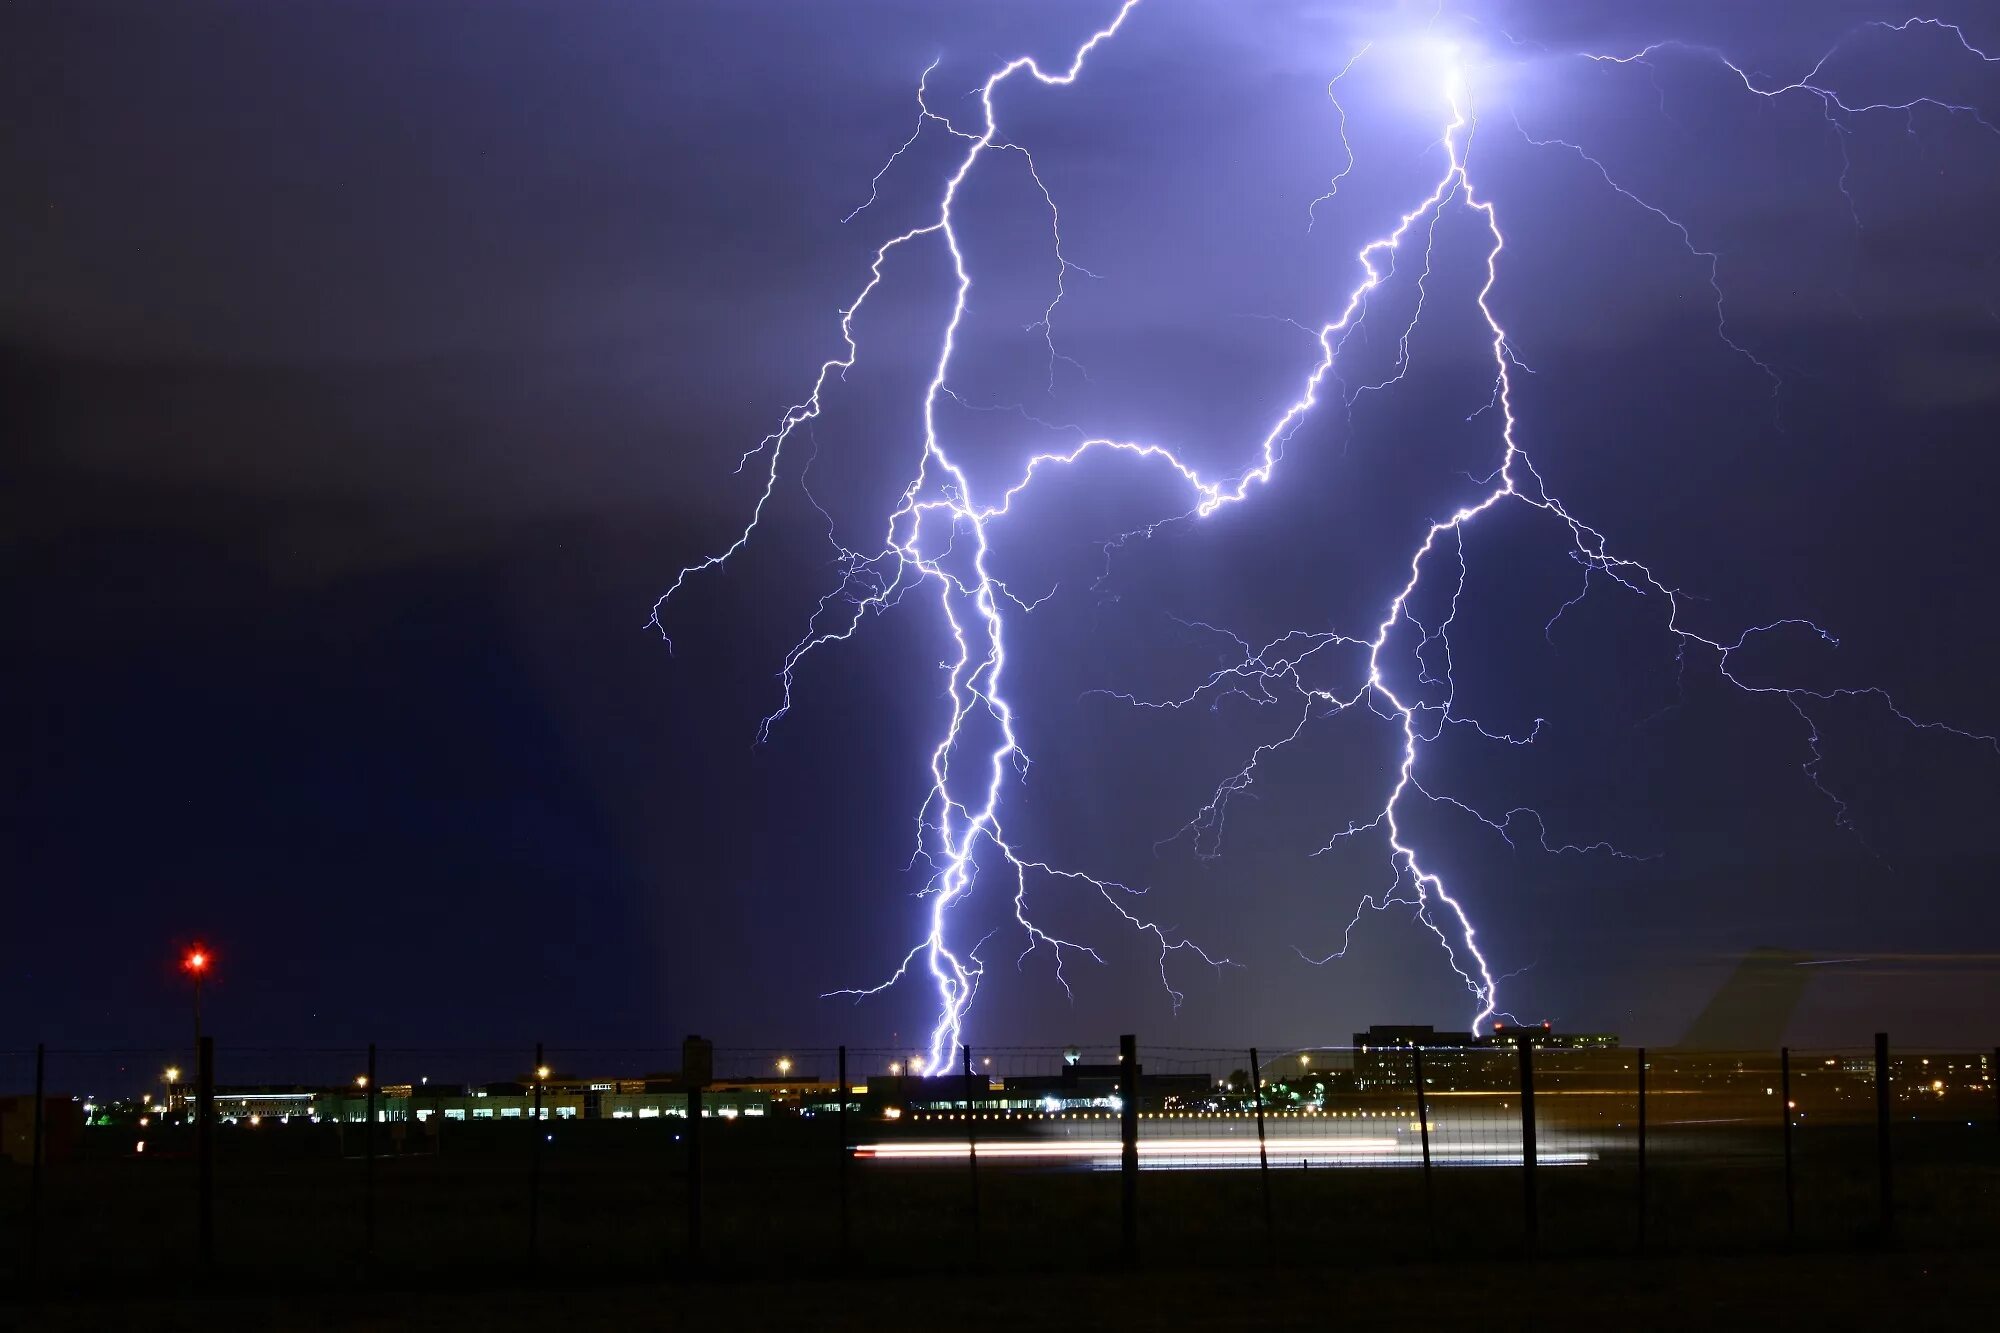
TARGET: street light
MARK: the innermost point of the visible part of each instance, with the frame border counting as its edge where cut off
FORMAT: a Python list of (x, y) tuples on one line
[(784, 1064), (173, 1077), (361, 1080), (542, 1072)]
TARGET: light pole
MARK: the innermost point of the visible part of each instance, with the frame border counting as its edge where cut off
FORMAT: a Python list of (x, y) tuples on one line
[(196, 963)]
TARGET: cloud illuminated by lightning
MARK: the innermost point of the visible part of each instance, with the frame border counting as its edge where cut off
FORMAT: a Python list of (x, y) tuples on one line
[(938, 539)]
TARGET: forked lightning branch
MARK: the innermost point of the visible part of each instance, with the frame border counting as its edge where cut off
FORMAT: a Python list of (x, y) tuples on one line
[(938, 543)]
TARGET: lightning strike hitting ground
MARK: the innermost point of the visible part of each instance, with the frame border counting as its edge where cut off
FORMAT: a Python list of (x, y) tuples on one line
[(938, 537)]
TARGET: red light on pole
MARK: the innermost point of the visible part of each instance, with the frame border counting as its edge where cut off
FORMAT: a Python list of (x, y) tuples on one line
[(196, 962)]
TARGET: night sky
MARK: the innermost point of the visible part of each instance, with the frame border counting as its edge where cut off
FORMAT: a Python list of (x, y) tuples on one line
[(369, 369)]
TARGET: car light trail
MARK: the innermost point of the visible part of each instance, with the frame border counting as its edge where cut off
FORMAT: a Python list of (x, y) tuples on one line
[(1212, 1153)]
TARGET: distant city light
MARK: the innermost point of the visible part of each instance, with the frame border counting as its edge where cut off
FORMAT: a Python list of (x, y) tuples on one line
[(542, 1072), (173, 1073), (784, 1064), (361, 1080)]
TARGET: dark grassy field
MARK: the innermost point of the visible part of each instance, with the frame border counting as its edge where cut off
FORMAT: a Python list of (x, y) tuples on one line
[(290, 1212), (1902, 1291)]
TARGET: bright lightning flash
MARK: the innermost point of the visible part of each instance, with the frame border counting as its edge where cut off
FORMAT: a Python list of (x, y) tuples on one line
[(939, 536)]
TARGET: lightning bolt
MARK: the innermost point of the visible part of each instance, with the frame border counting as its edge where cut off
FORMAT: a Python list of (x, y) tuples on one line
[(938, 539), (1333, 185), (1834, 106)]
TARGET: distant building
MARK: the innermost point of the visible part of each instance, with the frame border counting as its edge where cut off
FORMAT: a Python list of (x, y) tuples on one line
[(1382, 1057), (1513, 1036), (1385, 1055), (267, 1102), (1075, 1087), (1406, 1035)]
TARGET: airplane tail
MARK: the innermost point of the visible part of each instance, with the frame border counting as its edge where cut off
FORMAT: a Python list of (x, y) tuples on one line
[(1754, 1006)]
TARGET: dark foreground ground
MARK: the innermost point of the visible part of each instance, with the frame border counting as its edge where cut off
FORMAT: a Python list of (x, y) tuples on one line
[(595, 1230), (1826, 1291)]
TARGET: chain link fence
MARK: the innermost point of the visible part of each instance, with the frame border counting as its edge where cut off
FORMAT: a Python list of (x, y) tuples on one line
[(296, 1163)]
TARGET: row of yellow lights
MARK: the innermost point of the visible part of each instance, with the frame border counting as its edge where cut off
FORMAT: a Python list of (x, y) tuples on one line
[(173, 1074)]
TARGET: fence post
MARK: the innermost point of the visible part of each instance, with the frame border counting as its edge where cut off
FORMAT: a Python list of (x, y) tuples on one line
[(1263, 1156), (971, 1148), (694, 1174), (368, 1171), (1128, 1139), (204, 1150), (1642, 1147), (535, 1166), (1424, 1130), (35, 1166), (844, 1154), (1530, 1218), (1785, 1096), (1885, 1176)]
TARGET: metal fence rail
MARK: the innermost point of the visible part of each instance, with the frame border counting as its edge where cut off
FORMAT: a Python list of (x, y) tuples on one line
[(294, 1162)]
